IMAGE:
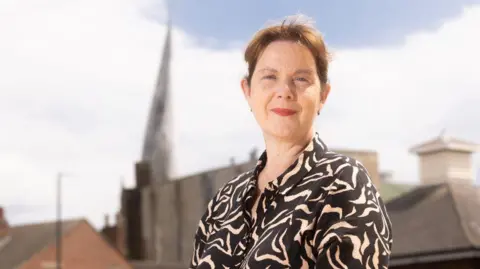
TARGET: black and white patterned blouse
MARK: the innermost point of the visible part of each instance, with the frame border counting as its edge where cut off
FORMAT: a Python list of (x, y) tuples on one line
[(322, 212)]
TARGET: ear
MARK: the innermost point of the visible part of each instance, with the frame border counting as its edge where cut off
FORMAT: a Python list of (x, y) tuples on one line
[(246, 88), (324, 92)]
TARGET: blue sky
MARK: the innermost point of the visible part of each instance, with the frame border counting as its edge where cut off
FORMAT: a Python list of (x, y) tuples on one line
[(345, 24)]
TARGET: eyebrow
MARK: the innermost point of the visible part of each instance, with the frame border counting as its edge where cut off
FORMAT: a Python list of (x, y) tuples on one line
[(299, 71), (304, 71), (268, 69)]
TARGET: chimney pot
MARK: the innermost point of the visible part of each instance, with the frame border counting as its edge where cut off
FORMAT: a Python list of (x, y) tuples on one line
[(118, 218), (253, 154), (107, 222)]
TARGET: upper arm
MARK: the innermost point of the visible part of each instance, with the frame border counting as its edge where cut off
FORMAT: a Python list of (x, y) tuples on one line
[(353, 229)]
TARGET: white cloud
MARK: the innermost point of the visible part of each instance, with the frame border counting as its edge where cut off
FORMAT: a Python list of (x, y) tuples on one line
[(77, 78)]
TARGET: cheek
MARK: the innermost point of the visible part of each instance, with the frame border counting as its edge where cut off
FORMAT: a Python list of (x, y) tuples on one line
[(310, 101), (260, 100)]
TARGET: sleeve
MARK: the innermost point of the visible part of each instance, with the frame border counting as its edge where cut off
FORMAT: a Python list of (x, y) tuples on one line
[(203, 231), (353, 229)]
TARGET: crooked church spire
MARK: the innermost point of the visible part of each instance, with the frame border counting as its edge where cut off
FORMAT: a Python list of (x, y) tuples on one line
[(157, 143)]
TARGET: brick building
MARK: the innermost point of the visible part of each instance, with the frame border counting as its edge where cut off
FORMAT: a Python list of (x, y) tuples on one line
[(33, 246)]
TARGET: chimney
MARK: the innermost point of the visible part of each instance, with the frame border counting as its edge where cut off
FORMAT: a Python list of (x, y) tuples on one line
[(444, 159), (117, 217), (120, 234), (253, 155), (386, 176), (107, 221), (232, 161), (4, 227), (143, 174)]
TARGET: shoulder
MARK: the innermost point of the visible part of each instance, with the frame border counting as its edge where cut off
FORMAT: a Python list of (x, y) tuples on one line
[(350, 189), (221, 201), (343, 167), (351, 214), (345, 175), (233, 186), (238, 181), (338, 163)]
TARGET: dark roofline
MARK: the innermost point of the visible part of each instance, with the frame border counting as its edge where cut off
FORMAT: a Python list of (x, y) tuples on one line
[(435, 256), (397, 204)]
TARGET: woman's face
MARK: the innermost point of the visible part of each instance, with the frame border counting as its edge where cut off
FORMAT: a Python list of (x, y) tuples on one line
[(285, 92)]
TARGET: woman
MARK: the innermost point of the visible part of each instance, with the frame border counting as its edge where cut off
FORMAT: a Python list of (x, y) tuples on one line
[(302, 206)]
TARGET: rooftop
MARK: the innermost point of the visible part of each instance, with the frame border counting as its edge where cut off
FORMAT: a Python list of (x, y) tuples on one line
[(23, 241), (437, 220), (444, 142)]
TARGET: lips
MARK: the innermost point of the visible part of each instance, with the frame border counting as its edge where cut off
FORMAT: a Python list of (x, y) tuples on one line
[(283, 111)]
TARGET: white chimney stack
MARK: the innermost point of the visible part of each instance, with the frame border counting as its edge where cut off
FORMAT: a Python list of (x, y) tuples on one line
[(445, 158)]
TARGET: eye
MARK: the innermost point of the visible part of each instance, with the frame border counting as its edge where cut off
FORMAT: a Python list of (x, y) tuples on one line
[(301, 79), (269, 77)]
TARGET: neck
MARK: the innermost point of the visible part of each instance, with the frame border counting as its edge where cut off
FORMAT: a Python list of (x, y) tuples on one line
[(281, 153)]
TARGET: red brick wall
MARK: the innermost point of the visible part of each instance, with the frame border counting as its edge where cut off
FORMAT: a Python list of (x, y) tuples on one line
[(83, 248)]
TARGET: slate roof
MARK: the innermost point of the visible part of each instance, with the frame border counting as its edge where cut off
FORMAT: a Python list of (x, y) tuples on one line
[(389, 191), (23, 241), (436, 220)]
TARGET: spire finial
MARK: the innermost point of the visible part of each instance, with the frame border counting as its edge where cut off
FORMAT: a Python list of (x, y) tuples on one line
[(442, 132), (168, 6)]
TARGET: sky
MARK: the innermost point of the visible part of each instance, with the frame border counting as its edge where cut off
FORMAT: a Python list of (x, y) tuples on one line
[(344, 23), (77, 78)]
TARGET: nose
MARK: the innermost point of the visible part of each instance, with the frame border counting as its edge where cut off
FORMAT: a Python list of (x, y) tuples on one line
[(286, 91)]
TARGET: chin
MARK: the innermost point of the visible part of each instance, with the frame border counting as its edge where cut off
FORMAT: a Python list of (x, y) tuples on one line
[(285, 131)]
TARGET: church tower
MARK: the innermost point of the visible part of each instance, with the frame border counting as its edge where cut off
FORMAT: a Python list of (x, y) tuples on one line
[(156, 153), (445, 158), (157, 144), (139, 205)]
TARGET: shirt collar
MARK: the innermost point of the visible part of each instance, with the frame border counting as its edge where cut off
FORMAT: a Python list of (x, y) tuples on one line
[(310, 156)]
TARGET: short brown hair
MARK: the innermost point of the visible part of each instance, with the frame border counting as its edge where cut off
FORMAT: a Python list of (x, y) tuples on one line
[(291, 29)]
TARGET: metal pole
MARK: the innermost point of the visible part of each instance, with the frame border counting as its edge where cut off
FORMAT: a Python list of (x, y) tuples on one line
[(59, 222)]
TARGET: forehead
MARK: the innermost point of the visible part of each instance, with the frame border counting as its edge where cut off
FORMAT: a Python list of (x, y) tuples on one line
[(286, 54)]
